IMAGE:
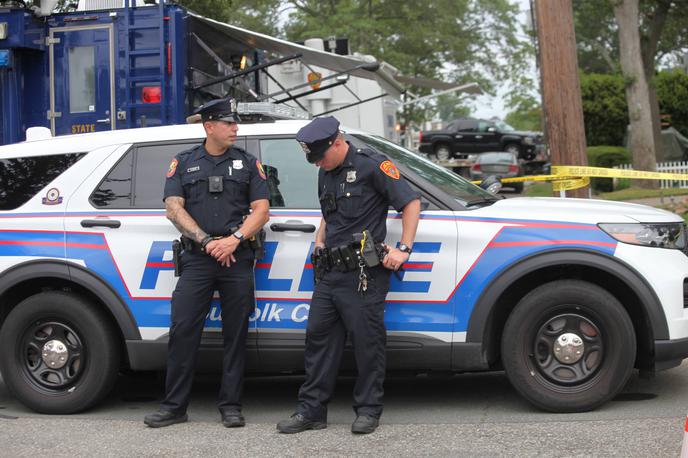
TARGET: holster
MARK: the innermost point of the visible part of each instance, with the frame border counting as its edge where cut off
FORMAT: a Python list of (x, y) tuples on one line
[(177, 257)]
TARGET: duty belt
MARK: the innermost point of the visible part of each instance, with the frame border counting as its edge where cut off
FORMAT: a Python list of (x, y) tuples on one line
[(345, 258)]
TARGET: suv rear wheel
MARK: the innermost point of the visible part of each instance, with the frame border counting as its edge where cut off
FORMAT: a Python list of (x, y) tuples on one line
[(568, 346), (60, 354)]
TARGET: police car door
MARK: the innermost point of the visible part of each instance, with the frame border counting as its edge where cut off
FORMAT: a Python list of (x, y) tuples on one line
[(418, 316), (284, 277), (120, 208)]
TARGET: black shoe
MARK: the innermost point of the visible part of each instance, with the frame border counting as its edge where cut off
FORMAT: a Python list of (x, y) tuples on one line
[(298, 423), (364, 425), (233, 419), (164, 418)]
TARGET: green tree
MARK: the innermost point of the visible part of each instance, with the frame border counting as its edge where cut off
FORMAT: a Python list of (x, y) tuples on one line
[(255, 15), (454, 40), (604, 109), (672, 91), (526, 113)]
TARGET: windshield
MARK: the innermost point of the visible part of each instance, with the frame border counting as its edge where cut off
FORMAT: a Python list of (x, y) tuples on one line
[(449, 182), (504, 127)]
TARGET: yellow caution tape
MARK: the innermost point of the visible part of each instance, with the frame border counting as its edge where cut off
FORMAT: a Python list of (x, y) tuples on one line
[(568, 177)]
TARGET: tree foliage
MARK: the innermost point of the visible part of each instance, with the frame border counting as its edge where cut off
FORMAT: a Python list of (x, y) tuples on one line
[(604, 109), (526, 115), (672, 91)]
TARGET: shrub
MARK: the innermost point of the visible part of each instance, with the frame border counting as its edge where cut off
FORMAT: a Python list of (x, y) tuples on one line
[(606, 156), (605, 112)]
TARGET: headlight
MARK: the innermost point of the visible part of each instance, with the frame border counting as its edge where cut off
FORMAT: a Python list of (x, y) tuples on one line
[(528, 140), (661, 235)]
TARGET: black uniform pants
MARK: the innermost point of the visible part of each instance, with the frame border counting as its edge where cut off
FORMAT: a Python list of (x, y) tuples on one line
[(337, 308), (201, 276)]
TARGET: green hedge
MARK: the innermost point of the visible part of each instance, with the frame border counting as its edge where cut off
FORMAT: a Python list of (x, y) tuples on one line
[(606, 156), (605, 112), (672, 93)]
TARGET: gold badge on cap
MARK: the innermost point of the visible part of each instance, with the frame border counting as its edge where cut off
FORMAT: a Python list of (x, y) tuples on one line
[(233, 105)]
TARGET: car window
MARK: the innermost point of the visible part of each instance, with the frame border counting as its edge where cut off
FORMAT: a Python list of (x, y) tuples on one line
[(447, 181), (504, 127), (21, 178), (138, 179), (484, 125), (467, 125), (292, 181), (501, 158)]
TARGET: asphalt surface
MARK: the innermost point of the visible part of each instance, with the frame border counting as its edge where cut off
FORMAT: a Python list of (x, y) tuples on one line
[(461, 415)]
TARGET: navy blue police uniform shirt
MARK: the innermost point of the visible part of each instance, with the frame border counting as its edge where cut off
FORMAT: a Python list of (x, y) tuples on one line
[(363, 187), (243, 181)]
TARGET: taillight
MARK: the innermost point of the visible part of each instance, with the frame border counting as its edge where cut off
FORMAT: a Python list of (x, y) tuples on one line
[(475, 167), (151, 94), (513, 169), (420, 137)]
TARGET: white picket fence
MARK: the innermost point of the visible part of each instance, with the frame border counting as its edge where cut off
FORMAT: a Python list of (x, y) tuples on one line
[(671, 167)]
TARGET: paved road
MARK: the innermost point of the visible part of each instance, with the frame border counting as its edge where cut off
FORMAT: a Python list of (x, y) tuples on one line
[(469, 414)]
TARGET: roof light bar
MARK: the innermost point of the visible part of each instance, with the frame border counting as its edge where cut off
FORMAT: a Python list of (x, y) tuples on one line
[(271, 110)]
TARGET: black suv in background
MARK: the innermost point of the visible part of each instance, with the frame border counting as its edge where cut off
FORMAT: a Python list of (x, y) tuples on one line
[(466, 136)]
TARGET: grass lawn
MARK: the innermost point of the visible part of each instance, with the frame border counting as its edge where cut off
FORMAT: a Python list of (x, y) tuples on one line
[(545, 190)]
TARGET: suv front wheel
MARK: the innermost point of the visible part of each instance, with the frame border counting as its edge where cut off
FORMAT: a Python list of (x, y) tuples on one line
[(59, 353), (568, 346), (442, 152)]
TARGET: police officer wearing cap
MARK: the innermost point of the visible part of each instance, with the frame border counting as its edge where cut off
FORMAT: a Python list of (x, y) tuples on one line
[(208, 192), (356, 188)]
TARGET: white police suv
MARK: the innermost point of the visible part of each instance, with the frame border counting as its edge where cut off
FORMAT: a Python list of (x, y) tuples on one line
[(567, 296)]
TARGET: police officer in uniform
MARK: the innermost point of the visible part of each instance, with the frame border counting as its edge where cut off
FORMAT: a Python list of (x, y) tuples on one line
[(208, 192), (356, 188)]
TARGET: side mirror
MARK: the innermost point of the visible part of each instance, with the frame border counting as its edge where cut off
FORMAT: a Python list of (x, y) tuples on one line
[(491, 184), (491, 129)]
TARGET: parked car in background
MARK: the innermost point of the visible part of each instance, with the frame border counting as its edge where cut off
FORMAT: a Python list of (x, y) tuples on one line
[(502, 164), (466, 136)]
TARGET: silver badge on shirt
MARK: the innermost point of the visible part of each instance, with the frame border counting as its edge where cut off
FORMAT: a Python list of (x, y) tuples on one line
[(237, 164), (350, 176)]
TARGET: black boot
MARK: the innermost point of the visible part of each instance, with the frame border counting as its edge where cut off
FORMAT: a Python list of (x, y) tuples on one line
[(364, 425), (164, 418), (233, 419), (298, 423)]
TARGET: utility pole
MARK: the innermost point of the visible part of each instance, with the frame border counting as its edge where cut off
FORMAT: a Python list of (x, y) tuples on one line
[(561, 93)]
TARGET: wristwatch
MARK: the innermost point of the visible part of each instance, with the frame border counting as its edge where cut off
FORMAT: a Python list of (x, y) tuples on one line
[(405, 248), (239, 235)]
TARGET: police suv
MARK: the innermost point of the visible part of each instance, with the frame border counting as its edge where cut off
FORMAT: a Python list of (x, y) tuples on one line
[(567, 296)]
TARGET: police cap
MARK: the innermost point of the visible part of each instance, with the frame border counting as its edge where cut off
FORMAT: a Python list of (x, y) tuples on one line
[(219, 110), (317, 136)]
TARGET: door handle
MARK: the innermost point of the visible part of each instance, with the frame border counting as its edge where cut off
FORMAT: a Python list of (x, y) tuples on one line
[(283, 227), (103, 121), (478, 136), (113, 223)]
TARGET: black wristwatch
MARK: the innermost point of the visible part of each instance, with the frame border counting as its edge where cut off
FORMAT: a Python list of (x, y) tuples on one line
[(405, 248)]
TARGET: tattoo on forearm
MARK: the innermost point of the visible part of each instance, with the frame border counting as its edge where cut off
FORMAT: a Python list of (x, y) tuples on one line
[(181, 219)]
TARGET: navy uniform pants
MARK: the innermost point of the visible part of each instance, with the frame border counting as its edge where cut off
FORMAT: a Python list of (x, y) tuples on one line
[(201, 276), (337, 308)]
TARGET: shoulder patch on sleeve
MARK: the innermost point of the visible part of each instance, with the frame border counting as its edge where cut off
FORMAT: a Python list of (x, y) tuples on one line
[(389, 169), (173, 168), (261, 172)]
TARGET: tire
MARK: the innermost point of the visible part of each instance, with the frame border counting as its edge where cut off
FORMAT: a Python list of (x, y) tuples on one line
[(80, 333), (442, 152), (517, 187), (566, 309), (513, 148)]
